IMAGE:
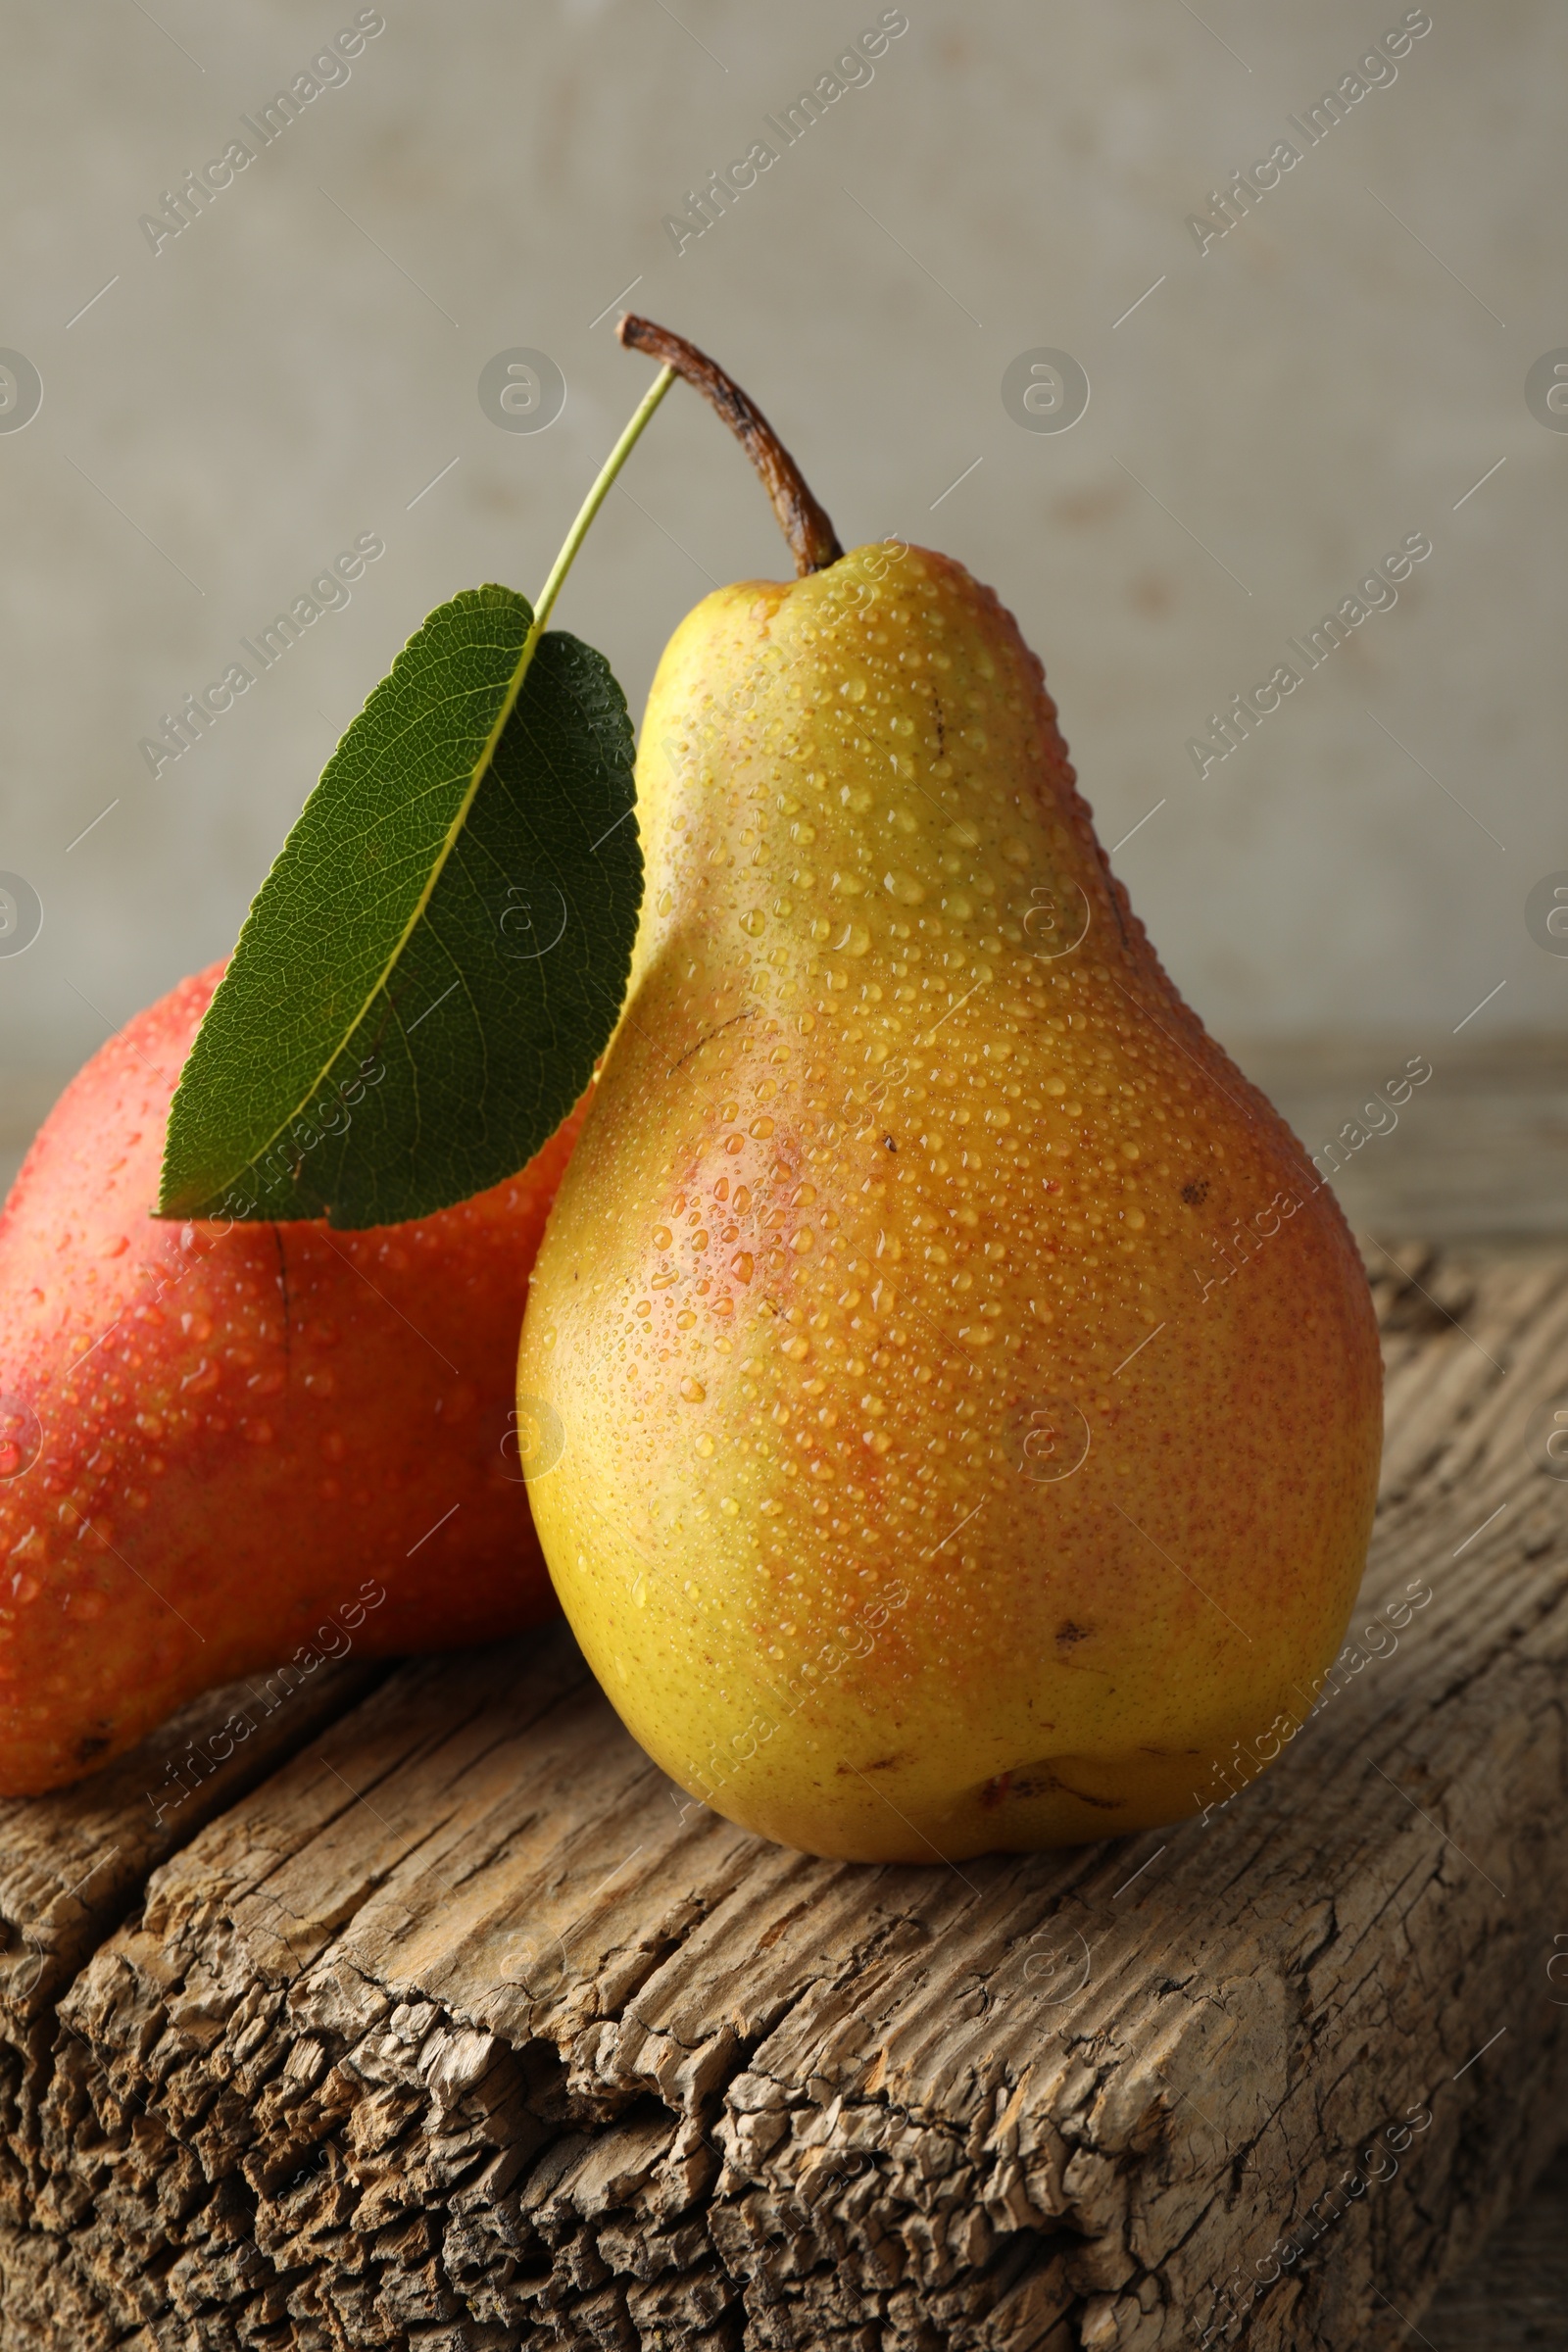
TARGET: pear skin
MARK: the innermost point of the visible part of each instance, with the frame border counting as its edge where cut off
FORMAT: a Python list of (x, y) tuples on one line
[(212, 1441), (972, 1397)]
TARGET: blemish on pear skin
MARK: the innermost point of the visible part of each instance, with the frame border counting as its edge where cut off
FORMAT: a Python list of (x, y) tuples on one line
[(1101, 1805), (1068, 1635), (1195, 1194), (1027, 1780)]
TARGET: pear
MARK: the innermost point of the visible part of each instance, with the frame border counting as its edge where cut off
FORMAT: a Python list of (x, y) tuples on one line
[(225, 1449), (971, 1398)]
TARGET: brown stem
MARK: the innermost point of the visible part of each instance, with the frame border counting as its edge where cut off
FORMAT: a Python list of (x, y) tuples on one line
[(811, 537)]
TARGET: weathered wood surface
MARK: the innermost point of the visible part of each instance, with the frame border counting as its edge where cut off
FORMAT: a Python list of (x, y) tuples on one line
[(1515, 2297), (463, 2029), (73, 1865)]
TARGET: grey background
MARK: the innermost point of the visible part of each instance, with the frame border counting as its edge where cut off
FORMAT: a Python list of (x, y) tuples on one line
[(297, 366)]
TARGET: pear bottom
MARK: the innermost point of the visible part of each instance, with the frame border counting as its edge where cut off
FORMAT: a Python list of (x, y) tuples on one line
[(830, 1756), (1057, 1800)]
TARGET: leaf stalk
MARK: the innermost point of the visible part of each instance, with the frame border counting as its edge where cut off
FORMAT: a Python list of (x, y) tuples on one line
[(591, 506)]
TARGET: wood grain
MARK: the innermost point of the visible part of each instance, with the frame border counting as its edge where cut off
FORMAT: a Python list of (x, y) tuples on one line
[(1515, 2297), (462, 2029)]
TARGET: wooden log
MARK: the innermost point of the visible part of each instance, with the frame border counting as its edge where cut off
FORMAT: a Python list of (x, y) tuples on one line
[(465, 2028), (73, 1865), (1514, 2298)]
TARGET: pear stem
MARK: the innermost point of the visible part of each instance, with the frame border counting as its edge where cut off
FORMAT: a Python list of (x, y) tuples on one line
[(591, 506), (812, 539)]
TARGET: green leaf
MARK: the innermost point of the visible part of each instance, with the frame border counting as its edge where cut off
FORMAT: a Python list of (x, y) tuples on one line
[(436, 959)]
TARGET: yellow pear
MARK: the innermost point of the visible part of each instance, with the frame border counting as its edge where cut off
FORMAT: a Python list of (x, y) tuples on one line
[(970, 1399)]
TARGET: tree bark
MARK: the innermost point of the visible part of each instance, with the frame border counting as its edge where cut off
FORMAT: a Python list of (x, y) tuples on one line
[(459, 2027)]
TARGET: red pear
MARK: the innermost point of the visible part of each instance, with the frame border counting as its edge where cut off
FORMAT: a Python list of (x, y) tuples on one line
[(221, 1449)]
